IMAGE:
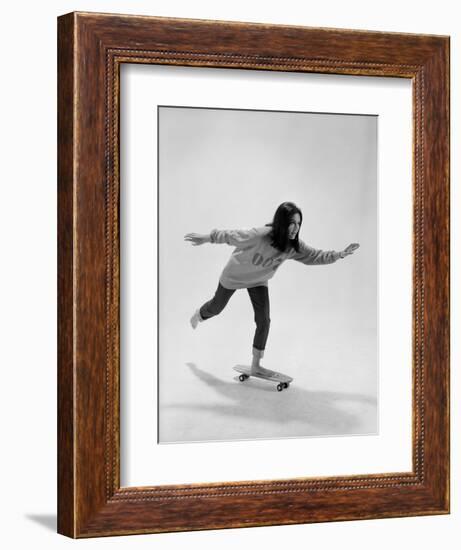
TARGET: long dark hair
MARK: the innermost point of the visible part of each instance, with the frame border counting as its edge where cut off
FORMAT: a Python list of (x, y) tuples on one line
[(279, 233)]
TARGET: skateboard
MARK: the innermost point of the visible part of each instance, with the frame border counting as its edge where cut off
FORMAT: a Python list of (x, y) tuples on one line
[(283, 381)]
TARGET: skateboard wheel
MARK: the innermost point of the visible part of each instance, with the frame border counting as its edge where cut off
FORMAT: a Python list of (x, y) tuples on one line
[(242, 378), (285, 385), (279, 387)]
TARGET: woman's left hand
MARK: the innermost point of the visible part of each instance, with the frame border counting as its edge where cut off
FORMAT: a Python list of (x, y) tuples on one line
[(349, 249)]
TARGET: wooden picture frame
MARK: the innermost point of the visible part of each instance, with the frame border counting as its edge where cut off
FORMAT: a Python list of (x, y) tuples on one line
[(91, 48)]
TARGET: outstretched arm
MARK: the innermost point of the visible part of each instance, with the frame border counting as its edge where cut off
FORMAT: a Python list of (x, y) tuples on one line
[(312, 256), (232, 237)]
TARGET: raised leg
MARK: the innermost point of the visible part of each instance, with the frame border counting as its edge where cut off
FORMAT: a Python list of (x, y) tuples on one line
[(212, 307)]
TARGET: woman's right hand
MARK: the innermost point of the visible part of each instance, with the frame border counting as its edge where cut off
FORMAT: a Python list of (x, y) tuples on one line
[(196, 239)]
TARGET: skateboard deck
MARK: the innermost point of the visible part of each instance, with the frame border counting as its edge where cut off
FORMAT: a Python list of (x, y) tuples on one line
[(283, 381)]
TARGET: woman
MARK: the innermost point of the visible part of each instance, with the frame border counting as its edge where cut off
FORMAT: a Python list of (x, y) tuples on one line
[(258, 253)]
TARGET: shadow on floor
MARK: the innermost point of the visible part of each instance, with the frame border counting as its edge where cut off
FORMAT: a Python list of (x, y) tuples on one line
[(48, 521), (318, 412)]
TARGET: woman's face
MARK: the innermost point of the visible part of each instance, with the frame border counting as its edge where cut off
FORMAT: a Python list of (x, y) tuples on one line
[(293, 228)]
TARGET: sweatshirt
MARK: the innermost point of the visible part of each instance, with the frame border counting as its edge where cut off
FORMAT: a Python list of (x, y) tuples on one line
[(254, 260)]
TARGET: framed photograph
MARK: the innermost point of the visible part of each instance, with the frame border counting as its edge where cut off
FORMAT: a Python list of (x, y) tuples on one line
[(206, 381)]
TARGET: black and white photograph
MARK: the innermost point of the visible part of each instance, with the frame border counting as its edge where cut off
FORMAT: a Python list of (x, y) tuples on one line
[(191, 189), (252, 345)]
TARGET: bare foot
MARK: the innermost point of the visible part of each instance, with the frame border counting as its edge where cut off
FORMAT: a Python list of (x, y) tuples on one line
[(195, 319)]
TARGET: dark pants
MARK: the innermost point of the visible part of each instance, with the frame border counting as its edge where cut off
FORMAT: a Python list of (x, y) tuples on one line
[(259, 296)]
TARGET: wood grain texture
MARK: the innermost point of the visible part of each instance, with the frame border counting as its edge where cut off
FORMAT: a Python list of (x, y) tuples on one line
[(91, 49), (66, 471)]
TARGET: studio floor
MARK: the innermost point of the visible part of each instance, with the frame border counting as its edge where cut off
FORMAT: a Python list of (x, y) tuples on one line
[(334, 391)]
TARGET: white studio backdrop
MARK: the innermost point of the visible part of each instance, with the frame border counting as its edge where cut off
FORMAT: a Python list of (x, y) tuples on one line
[(28, 275), (229, 168), (190, 274)]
